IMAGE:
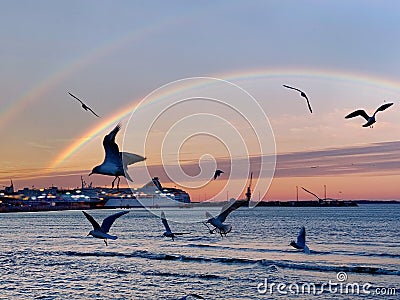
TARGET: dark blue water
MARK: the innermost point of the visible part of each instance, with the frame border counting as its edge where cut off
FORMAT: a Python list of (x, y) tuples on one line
[(48, 256)]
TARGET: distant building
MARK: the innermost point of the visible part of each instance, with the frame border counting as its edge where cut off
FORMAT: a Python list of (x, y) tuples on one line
[(8, 190)]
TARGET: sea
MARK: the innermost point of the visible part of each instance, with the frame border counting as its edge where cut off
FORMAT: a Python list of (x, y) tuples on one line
[(355, 254)]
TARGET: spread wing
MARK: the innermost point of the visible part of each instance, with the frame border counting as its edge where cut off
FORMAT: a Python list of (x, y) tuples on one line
[(92, 111), (217, 173), (83, 104), (76, 98), (165, 223), (107, 222), (301, 238), (311, 193), (302, 94), (383, 107), (308, 103), (130, 158), (93, 221), (208, 215), (357, 113), (228, 208), (293, 88), (111, 148)]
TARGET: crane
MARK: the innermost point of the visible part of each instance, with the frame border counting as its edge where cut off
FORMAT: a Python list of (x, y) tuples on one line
[(248, 193)]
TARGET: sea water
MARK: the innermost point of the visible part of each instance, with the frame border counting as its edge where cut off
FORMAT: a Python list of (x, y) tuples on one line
[(354, 255)]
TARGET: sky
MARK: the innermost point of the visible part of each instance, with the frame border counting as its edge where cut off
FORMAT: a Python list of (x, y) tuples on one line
[(197, 85)]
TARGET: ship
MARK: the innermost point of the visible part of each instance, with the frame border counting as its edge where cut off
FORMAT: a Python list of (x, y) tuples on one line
[(151, 195)]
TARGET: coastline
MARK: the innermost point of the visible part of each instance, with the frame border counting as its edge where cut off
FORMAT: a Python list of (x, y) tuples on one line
[(93, 205)]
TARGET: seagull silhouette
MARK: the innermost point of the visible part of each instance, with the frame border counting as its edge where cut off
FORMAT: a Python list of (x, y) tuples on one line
[(301, 241), (84, 106), (101, 232), (217, 173), (168, 232), (115, 163), (218, 221), (302, 94), (370, 119)]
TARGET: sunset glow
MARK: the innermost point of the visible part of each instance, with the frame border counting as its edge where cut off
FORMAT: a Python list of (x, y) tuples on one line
[(48, 139)]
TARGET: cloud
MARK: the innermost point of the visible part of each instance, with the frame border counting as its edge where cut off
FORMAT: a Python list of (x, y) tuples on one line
[(364, 160), (371, 159), (40, 146), (376, 158)]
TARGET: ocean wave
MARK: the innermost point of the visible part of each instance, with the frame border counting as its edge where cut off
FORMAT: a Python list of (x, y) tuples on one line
[(290, 250), (244, 249), (322, 268), (186, 275), (231, 260), (389, 255)]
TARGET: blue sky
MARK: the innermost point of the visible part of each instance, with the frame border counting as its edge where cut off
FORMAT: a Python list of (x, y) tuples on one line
[(113, 53)]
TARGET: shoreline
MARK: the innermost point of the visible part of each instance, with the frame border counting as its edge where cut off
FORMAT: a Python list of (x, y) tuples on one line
[(87, 206)]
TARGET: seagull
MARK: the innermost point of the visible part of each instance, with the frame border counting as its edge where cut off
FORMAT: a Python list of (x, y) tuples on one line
[(301, 94), (218, 221), (157, 183), (84, 106), (115, 163), (101, 232), (217, 173), (370, 120), (301, 241), (168, 232)]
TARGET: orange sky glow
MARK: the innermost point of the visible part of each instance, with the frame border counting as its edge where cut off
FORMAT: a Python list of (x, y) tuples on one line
[(217, 101)]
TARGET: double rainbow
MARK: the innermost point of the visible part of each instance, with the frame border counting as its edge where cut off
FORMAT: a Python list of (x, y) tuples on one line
[(274, 73)]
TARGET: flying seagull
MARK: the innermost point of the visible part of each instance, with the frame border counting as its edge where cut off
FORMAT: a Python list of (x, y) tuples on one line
[(301, 241), (115, 163), (370, 119), (218, 221), (301, 94), (84, 106), (168, 232), (217, 173), (101, 232)]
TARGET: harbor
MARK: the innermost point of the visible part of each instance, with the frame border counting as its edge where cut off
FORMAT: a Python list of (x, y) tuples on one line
[(152, 194)]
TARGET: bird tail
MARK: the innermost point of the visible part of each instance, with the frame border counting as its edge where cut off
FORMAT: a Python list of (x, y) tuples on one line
[(127, 176), (227, 228), (112, 237)]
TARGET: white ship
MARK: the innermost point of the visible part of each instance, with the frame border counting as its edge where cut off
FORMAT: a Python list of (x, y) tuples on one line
[(151, 195)]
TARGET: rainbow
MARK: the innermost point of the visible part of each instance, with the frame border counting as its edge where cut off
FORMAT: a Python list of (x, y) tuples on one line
[(90, 135), (68, 68), (234, 76)]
